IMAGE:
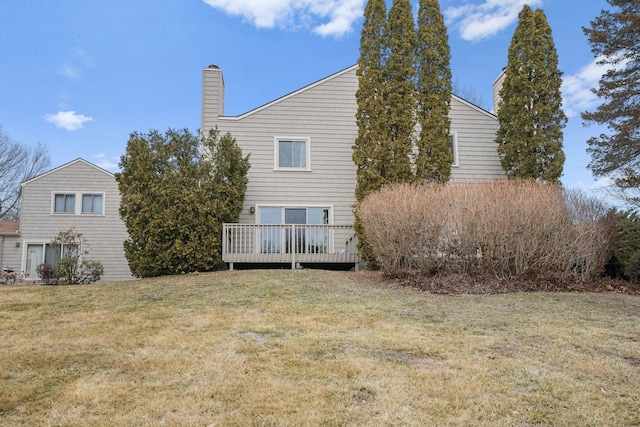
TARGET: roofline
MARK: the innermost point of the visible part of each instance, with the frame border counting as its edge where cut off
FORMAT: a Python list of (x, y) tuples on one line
[(323, 80), (475, 107), (289, 95), (503, 71), (79, 159), (11, 233)]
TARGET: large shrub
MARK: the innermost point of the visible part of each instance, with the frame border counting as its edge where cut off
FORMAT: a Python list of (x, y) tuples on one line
[(177, 189), (505, 228)]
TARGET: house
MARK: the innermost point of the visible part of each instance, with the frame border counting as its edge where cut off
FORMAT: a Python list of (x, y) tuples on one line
[(77, 194), (298, 205)]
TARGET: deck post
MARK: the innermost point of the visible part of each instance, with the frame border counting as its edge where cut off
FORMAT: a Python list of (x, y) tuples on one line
[(294, 247), (231, 266)]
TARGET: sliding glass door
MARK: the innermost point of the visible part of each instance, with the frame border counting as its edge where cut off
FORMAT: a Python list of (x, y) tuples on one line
[(300, 238)]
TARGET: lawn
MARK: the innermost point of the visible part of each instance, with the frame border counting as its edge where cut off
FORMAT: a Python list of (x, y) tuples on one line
[(313, 348)]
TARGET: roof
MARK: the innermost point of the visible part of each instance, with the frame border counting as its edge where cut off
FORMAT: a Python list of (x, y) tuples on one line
[(8, 228), (78, 160), (289, 95), (332, 76)]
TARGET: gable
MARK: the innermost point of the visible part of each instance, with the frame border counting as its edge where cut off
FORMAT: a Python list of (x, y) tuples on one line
[(479, 110), (297, 93), (78, 164), (323, 82)]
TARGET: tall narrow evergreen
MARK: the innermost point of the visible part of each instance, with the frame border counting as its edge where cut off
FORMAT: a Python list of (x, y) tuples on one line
[(399, 121), (434, 154), (371, 103), (370, 167), (391, 97), (530, 115)]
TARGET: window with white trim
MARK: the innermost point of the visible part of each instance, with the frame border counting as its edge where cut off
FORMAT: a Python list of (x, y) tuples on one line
[(64, 203), (92, 204), (292, 154), (77, 203)]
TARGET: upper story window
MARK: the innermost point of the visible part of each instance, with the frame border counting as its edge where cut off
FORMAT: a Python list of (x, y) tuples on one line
[(78, 203), (92, 203), (64, 203), (292, 154)]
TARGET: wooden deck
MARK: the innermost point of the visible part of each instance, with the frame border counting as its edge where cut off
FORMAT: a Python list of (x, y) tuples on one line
[(290, 243)]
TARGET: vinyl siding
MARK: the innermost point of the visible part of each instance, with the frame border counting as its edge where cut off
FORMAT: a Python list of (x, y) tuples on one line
[(212, 94), (325, 113), (104, 234), (9, 253), (476, 131)]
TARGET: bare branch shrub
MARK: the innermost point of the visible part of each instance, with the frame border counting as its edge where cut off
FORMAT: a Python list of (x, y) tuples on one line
[(47, 274), (72, 267), (505, 228)]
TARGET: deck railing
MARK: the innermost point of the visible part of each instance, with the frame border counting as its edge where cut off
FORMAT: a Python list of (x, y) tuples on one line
[(290, 243)]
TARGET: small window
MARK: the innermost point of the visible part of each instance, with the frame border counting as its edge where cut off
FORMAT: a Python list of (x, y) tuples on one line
[(292, 154), (64, 203), (453, 141), (92, 203)]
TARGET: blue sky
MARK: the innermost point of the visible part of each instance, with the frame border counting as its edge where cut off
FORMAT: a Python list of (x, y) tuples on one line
[(80, 75)]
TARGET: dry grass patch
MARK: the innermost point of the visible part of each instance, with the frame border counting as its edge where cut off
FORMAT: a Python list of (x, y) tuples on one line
[(310, 348)]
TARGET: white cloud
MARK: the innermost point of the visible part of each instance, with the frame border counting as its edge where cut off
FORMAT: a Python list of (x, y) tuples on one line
[(324, 17), (105, 163), (479, 21), (68, 120), (576, 88)]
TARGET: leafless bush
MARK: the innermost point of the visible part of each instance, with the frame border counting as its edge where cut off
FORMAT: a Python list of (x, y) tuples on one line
[(505, 228)]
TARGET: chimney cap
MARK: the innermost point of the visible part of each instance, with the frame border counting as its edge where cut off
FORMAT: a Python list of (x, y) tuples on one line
[(214, 66)]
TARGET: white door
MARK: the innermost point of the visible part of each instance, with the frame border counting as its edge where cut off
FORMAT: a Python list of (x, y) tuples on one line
[(35, 257)]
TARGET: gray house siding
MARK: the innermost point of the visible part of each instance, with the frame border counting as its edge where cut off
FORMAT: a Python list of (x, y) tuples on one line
[(103, 232), (10, 246), (325, 112), (9, 254), (475, 130)]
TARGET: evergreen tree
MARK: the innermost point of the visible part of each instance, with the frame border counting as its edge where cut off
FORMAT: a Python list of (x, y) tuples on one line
[(371, 101), (370, 172), (434, 155), (175, 197), (615, 40), (530, 115), (399, 121)]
